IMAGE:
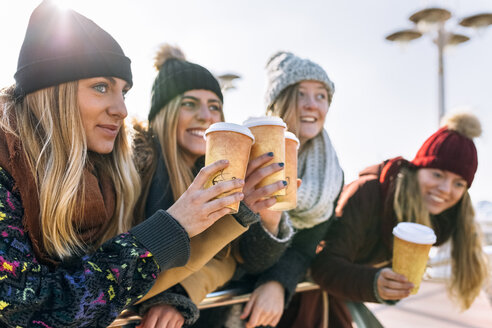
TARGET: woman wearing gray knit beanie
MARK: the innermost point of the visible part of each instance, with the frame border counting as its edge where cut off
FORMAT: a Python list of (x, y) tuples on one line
[(300, 92)]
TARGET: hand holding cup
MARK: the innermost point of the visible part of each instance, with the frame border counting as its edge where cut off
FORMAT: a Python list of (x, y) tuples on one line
[(259, 198), (411, 246), (392, 285), (232, 142), (198, 207), (289, 201), (269, 137)]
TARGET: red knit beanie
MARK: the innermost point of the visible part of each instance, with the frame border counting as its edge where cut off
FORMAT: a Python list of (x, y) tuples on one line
[(451, 148)]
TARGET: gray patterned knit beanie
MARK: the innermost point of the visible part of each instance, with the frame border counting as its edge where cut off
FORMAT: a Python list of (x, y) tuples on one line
[(176, 76), (285, 69)]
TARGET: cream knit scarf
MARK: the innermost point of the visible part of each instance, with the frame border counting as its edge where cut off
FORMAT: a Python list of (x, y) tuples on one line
[(322, 178)]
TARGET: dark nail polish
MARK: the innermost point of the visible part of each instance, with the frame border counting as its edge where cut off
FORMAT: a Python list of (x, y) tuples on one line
[(281, 164), (270, 154), (284, 182)]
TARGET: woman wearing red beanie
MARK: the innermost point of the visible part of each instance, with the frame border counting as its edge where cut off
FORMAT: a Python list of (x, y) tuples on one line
[(432, 189)]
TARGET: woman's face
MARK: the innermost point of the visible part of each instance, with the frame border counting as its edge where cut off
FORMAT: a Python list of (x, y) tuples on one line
[(102, 109), (198, 110), (312, 106), (440, 189)]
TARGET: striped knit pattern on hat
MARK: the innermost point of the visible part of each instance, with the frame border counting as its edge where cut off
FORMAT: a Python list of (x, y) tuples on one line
[(285, 69), (62, 46), (448, 150), (177, 76), (451, 148)]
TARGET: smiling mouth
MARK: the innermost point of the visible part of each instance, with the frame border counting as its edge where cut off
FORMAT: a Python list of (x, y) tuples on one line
[(436, 199), (196, 132), (308, 119)]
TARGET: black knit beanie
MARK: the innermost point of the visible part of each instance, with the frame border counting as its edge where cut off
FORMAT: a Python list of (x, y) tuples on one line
[(62, 46), (175, 77)]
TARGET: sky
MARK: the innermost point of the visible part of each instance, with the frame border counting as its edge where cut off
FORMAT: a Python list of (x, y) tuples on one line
[(385, 103)]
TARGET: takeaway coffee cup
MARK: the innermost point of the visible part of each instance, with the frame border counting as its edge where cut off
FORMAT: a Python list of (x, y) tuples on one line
[(269, 137), (289, 201), (411, 246), (232, 142)]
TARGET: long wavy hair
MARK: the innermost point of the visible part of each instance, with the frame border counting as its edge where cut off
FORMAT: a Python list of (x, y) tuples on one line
[(285, 107), (164, 127), (469, 263), (55, 145)]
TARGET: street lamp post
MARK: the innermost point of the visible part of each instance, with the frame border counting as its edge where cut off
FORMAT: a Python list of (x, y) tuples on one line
[(226, 81), (434, 19)]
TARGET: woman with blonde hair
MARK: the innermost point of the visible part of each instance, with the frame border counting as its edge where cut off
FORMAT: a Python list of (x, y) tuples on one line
[(186, 100), (300, 92), (68, 184), (432, 189)]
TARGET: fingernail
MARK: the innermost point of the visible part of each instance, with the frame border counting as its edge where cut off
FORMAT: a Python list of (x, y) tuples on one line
[(270, 154), (284, 182), (281, 164), (225, 161)]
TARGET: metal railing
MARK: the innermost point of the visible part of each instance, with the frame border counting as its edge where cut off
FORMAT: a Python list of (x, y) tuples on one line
[(242, 294), (215, 299)]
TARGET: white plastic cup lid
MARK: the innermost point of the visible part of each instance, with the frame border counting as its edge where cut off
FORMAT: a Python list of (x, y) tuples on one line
[(264, 120), (415, 233), (292, 136), (224, 126)]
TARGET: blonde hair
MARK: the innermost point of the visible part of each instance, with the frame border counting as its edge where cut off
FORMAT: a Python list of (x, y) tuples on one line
[(470, 266), (408, 204), (55, 145), (165, 126), (285, 107), (469, 262)]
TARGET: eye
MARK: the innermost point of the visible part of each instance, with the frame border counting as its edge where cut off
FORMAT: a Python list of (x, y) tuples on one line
[(437, 174), (460, 184), (321, 96), (101, 87), (215, 108), (301, 94), (124, 92), (188, 104)]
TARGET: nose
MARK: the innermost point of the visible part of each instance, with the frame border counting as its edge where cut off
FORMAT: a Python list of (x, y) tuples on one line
[(118, 108), (445, 185), (204, 113), (310, 102)]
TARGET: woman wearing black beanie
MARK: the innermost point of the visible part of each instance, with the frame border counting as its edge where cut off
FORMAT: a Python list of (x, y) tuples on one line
[(68, 185), (186, 100)]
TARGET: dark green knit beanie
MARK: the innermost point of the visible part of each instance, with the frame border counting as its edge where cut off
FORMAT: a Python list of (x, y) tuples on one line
[(176, 76)]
